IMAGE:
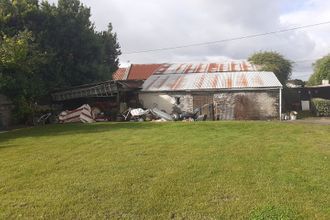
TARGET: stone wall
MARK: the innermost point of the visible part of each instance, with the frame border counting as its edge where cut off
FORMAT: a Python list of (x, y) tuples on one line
[(234, 105), (246, 105)]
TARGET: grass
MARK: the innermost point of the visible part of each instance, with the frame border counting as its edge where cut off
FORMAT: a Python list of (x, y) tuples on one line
[(220, 170)]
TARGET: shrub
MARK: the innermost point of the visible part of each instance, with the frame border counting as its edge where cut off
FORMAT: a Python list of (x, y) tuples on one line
[(321, 106)]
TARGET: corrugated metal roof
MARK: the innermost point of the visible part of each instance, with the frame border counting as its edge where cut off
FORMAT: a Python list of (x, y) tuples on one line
[(214, 81), (181, 68), (144, 71)]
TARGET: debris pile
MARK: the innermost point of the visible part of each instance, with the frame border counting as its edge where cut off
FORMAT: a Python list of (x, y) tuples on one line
[(81, 114), (157, 115), (87, 114), (289, 116)]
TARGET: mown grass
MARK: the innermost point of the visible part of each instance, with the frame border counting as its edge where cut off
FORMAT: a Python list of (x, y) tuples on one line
[(220, 170)]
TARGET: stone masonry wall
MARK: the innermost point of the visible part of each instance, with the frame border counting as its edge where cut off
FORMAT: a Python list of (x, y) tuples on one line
[(245, 105)]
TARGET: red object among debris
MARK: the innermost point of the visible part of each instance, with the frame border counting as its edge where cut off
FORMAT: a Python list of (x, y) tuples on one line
[(81, 114)]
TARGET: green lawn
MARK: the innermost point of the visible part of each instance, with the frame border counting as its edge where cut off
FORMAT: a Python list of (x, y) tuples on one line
[(220, 170)]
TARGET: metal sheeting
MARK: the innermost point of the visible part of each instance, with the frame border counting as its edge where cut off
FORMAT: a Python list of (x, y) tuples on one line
[(105, 89), (214, 81), (143, 71), (233, 66)]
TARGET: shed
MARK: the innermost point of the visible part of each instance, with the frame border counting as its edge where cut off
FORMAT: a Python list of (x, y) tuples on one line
[(298, 97), (235, 90), (109, 95)]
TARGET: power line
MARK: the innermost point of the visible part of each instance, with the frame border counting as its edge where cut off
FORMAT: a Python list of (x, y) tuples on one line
[(227, 40)]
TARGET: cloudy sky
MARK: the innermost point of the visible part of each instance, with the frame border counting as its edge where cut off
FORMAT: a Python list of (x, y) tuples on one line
[(149, 24)]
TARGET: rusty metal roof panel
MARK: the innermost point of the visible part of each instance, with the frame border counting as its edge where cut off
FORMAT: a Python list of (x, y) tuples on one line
[(214, 81), (184, 68)]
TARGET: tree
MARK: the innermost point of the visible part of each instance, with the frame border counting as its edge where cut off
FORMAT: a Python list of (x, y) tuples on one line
[(297, 82), (321, 71), (19, 74), (47, 46), (78, 53), (110, 50), (18, 15), (274, 62)]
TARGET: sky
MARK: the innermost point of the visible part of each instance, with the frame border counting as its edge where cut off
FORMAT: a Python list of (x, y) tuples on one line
[(149, 24)]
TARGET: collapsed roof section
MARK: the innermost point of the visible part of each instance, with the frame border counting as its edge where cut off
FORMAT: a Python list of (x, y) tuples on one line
[(104, 89)]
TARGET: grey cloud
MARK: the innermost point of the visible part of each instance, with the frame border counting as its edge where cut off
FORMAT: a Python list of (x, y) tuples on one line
[(149, 24)]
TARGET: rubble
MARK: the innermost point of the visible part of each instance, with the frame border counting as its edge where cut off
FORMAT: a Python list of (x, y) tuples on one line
[(162, 114), (135, 114), (157, 115), (86, 114), (81, 114)]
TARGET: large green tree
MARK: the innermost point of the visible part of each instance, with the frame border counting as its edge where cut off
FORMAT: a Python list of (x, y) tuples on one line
[(19, 72), (76, 52), (274, 62), (66, 48), (321, 71)]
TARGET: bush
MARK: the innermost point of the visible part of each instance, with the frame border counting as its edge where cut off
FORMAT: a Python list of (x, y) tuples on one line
[(305, 114), (321, 106)]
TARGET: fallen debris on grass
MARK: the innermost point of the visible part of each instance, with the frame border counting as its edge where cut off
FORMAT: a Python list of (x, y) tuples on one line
[(81, 114)]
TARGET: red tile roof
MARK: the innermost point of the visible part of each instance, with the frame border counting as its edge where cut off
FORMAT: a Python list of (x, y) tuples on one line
[(120, 74), (142, 71)]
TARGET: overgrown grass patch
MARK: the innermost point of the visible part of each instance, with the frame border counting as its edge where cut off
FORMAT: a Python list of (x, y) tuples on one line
[(239, 170)]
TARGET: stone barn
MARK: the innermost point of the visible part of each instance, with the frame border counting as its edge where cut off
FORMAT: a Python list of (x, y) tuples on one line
[(236, 90)]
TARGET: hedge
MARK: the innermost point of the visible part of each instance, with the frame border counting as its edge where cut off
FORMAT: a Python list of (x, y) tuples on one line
[(321, 106)]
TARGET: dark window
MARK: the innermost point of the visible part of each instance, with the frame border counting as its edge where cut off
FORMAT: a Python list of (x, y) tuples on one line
[(177, 100)]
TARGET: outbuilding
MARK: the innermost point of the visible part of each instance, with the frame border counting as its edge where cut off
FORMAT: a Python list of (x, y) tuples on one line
[(222, 91)]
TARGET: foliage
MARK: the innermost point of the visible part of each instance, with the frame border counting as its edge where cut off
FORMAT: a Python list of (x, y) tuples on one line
[(19, 73), (274, 62), (321, 106), (297, 82), (52, 46), (305, 114), (206, 170), (321, 71), (78, 53)]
